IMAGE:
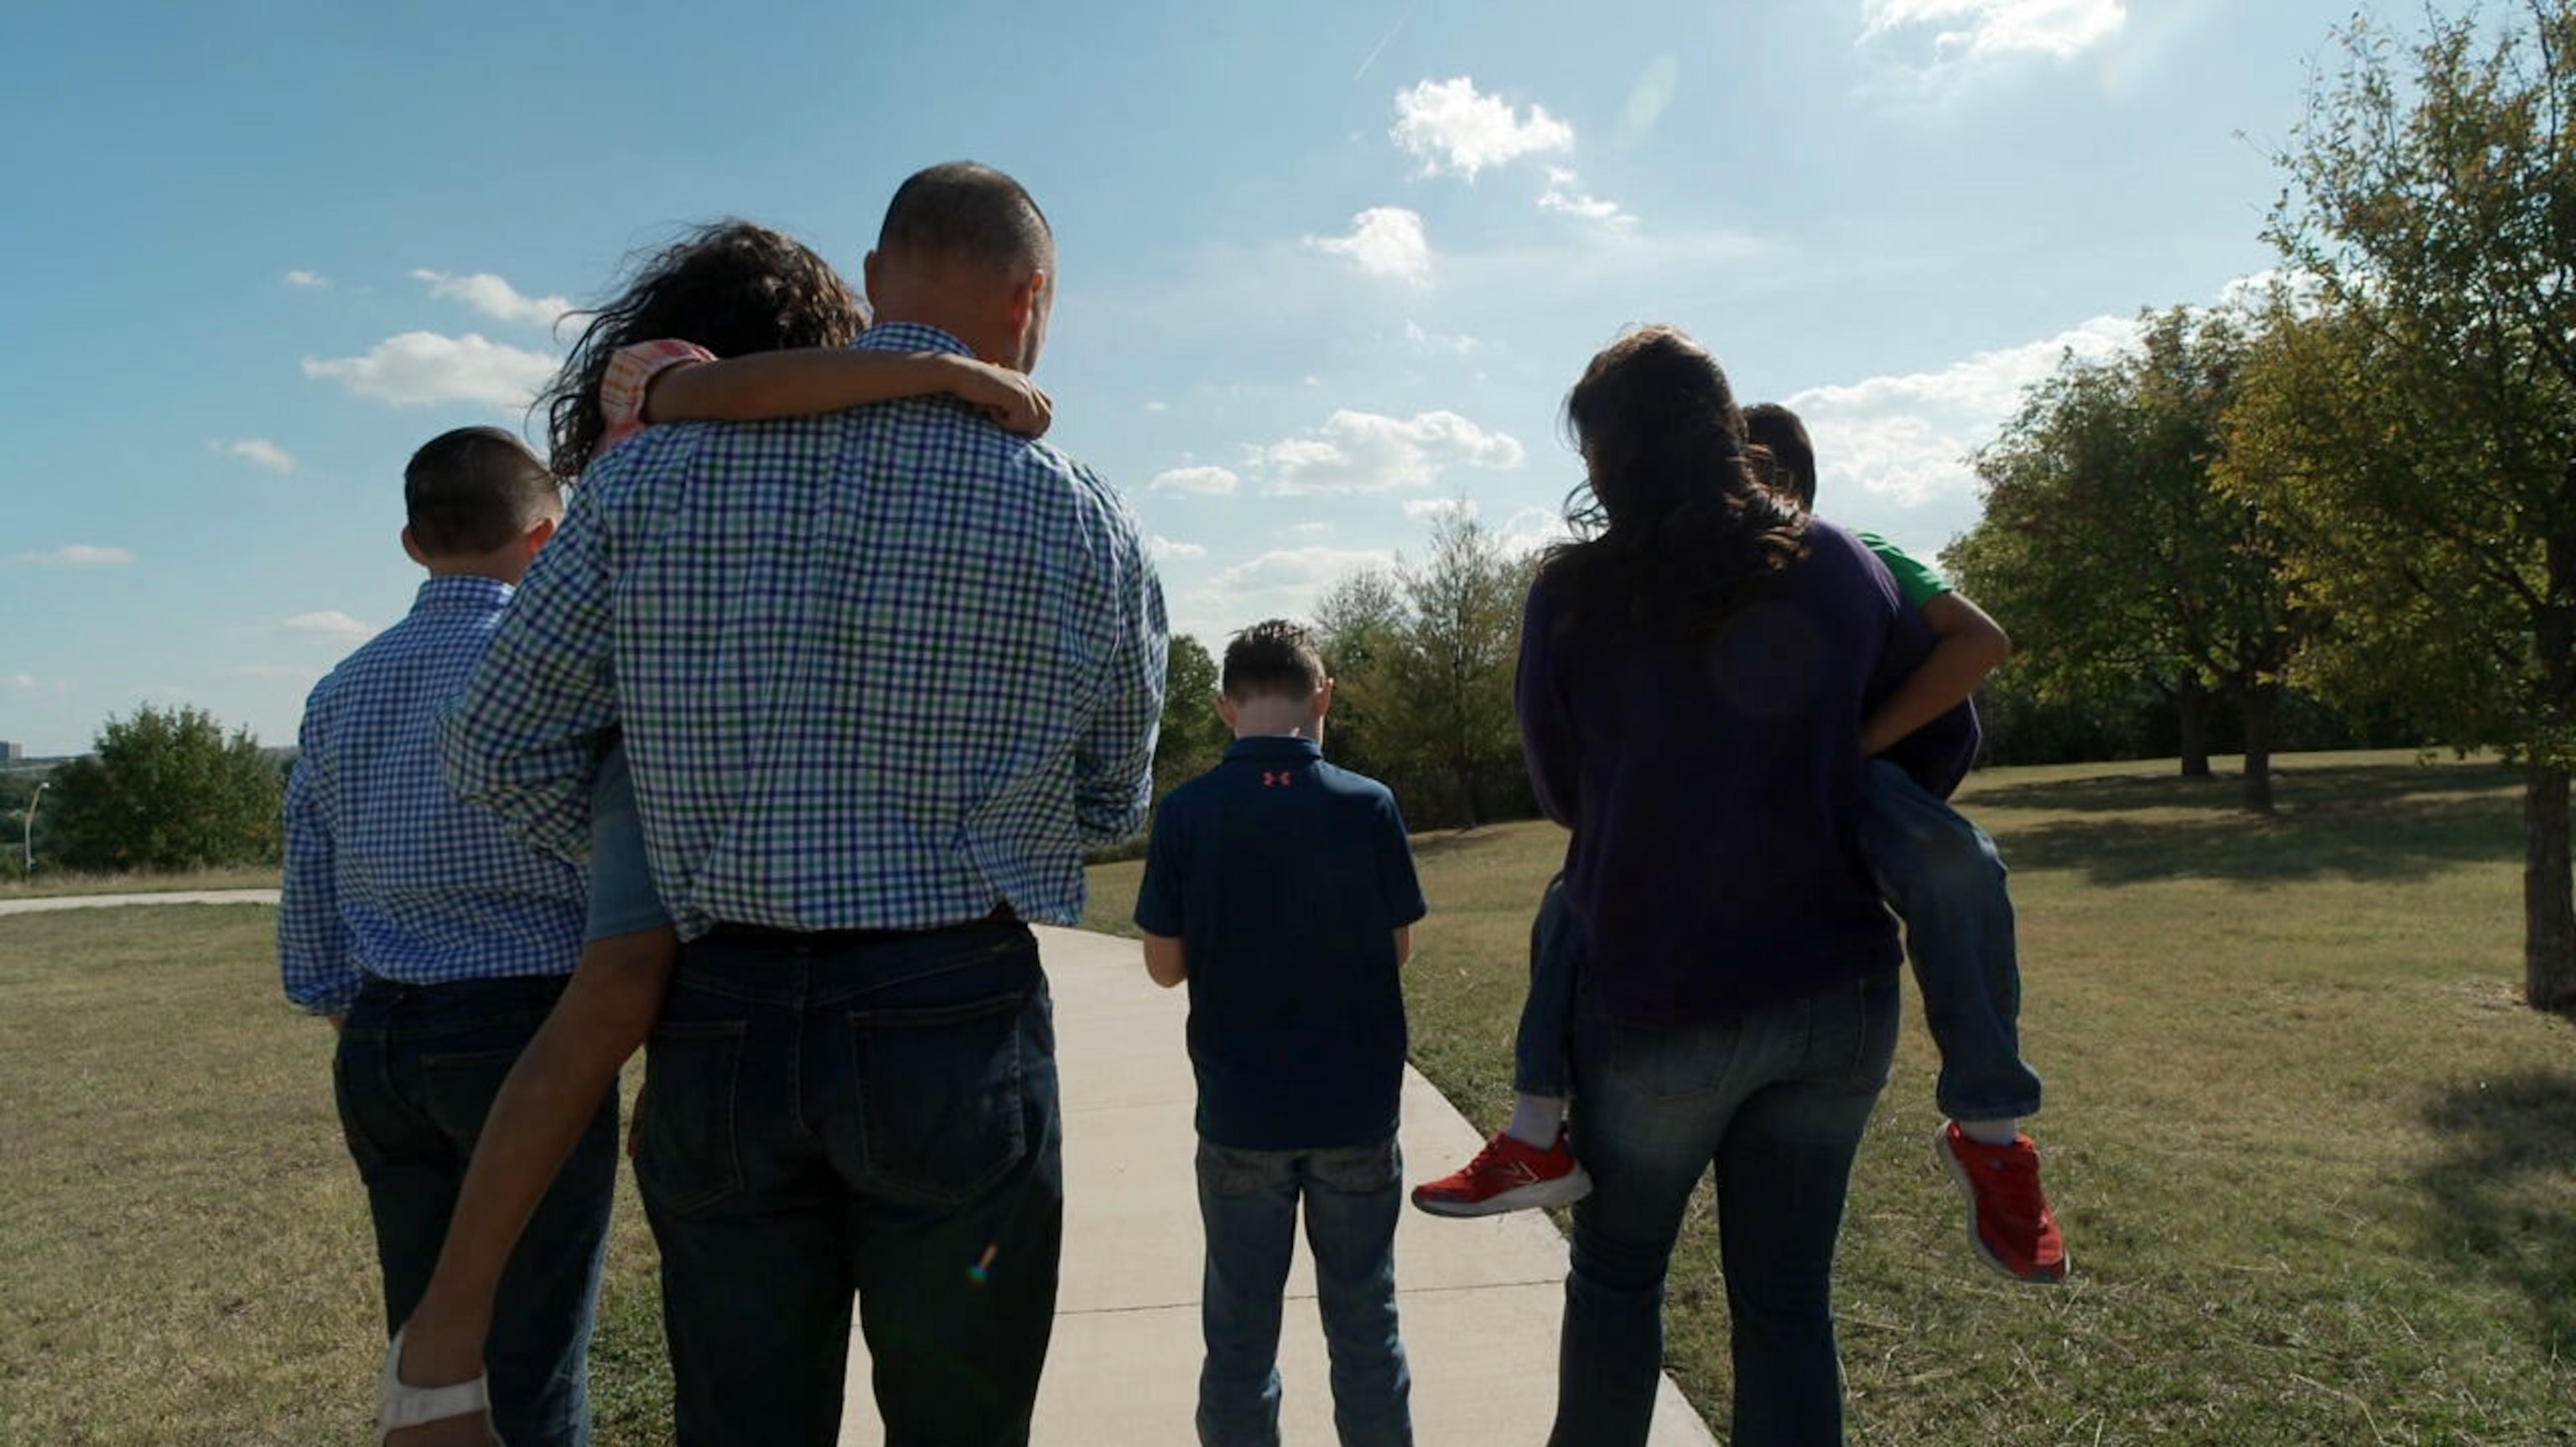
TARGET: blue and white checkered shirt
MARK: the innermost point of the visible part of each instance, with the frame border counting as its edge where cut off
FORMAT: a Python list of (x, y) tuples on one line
[(387, 872), (880, 669)]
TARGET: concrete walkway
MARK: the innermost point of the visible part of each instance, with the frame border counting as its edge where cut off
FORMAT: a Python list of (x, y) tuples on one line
[(1480, 1300), (118, 901)]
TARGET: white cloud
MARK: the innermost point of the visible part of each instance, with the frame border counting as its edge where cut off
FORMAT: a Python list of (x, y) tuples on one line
[(1196, 481), (30, 685), (1162, 547), (1308, 530), (329, 627), (1531, 529), (1419, 508), (1365, 452), (416, 369), (1906, 438), (1450, 125), (1562, 196), (1158, 406), (78, 555), (494, 297), (311, 279), (1459, 345), (1385, 241), (1965, 30), (257, 451), (1283, 583)]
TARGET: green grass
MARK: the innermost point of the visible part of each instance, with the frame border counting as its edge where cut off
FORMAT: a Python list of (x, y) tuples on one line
[(2317, 1167), (186, 1245)]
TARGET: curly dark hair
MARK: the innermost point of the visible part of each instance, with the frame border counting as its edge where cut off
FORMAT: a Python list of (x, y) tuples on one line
[(1676, 531), (731, 287)]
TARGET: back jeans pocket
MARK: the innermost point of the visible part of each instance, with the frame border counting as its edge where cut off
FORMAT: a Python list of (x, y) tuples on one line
[(687, 1156), (940, 1103)]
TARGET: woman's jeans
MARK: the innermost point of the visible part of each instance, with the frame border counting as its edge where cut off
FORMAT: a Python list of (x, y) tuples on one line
[(1775, 1101)]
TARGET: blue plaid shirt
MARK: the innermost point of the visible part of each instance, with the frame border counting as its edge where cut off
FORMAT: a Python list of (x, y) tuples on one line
[(879, 669), (388, 873)]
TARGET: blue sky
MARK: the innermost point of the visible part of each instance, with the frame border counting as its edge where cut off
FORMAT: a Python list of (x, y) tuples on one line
[(1323, 266)]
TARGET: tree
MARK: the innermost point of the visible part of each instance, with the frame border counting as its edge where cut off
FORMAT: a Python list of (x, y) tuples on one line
[(168, 789), (2412, 418), (1424, 653), (1193, 736), (2115, 558)]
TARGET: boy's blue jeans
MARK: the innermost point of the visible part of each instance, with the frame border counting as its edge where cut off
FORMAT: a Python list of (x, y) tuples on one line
[(1248, 1204), (414, 1075), (828, 1116), (1776, 1102), (1943, 876)]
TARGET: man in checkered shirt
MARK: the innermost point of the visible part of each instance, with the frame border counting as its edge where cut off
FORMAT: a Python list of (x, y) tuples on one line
[(438, 941), (882, 676)]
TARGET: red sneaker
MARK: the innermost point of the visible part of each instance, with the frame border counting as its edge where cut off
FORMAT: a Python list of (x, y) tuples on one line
[(1507, 1175), (2008, 1217)]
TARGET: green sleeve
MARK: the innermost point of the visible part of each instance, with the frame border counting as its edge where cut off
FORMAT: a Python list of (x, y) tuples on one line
[(1916, 583)]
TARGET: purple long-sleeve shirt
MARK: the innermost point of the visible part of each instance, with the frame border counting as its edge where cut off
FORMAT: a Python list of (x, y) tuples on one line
[(1714, 788)]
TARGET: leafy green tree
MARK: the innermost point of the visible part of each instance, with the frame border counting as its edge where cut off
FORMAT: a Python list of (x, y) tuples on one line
[(168, 789), (1423, 653), (1193, 736), (2114, 558), (2411, 418)]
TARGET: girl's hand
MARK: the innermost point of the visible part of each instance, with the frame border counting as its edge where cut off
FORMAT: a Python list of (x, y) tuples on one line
[(1007, 397)]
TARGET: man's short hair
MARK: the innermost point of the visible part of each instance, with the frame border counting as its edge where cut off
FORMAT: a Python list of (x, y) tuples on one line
[(1272, 659), (470, 491), (1776, 430), (968, 212)]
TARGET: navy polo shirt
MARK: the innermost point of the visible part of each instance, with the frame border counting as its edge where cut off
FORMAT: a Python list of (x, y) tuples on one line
[(1286, 878)]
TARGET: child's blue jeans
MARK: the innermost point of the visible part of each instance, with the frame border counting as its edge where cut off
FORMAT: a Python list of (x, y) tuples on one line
[(1248, 1204), (622, 900), (1942, 875)]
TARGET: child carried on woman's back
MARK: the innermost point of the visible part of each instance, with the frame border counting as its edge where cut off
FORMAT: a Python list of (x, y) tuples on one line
[(1936, 869)]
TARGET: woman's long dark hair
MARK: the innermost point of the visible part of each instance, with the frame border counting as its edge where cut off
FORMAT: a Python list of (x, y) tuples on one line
[(1676, 529), (731, 287)]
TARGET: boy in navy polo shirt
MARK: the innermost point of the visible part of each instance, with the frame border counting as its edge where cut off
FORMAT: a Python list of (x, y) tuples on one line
[(1282, 889)]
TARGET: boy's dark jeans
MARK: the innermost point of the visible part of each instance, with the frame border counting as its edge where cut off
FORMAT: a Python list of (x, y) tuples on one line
[(1943, 876), (826, 1115), (1248, 1204), (414, 1075)]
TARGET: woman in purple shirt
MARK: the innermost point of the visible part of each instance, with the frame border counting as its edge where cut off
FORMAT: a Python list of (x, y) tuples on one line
[(1693, 676)]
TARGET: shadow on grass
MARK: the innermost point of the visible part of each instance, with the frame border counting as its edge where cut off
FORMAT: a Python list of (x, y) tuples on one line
[(2327, 786), (2361, 822), (2499, 1194)]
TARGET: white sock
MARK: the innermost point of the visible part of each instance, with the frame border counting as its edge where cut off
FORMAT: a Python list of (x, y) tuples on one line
[(2002, 1131), (1537, 1120)]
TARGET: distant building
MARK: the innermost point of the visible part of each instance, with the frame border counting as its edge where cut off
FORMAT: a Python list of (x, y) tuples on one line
[(11, 753)]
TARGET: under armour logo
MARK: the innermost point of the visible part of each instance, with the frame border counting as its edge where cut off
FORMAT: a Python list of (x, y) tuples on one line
[(1280, 780)]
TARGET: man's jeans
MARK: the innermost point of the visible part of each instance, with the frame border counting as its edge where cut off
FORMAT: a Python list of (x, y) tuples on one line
[(1248, 1204), (826, 1115), (1539, 1064), (1943, 876), (1776, 1102), (415, 1074)]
